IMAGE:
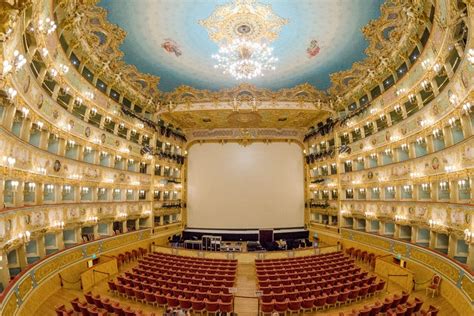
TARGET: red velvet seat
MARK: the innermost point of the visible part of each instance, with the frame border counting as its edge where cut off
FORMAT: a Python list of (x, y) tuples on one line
[(267, 308), (281, 306), (225, 307), (332, 299), (320, 302), (184, 303), (294, 306), (198, 306), (171, 301), (211, 307), (308, 303)]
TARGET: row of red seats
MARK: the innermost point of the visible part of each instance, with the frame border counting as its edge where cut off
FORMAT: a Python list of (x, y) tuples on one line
[(162, 294), (347, 275), (191, 287), (184, 259), (394, 306), (166, 269), (316, 267), (310, 258), (354, 291), (324, 289), (313, 302), (136, 277), (362, 255), (103, 307), (166, 275), (202, 268), (305, 264), (130, 256), (180, 283)]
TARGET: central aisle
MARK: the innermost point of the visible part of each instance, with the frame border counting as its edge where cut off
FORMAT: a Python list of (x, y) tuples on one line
[(246, 303)]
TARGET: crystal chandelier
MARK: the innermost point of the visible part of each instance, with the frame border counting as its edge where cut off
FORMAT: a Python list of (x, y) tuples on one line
[(245, 59), (244, 30)]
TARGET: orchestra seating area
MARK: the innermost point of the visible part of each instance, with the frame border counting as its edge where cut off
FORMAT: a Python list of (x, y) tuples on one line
[(305, 284), (396, 305), (177, 281)]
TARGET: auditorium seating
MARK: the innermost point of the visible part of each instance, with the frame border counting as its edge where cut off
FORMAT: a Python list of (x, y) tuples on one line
[(130, 256), (312, 283), (362, 255), (395, 305), (176, 281)]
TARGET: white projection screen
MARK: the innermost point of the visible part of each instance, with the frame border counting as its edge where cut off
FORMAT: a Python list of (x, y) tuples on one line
[(231, 186)]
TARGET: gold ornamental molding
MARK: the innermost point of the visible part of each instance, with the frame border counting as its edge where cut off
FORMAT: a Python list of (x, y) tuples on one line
[(244, 135), (243, 19)]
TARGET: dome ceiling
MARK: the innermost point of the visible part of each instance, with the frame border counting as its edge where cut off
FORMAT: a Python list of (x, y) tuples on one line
[(165, 38)]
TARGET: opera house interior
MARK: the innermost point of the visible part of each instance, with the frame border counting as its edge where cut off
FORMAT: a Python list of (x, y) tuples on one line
[(236, 157)]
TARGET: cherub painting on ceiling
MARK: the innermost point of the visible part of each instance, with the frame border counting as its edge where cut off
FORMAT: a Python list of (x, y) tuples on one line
[(313, 49), (171, 47)]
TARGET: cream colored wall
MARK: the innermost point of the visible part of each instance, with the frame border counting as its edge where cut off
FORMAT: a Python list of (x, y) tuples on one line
[(255, 186)]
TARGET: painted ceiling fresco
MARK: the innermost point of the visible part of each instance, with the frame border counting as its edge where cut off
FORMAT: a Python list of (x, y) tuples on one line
[(165, 38)]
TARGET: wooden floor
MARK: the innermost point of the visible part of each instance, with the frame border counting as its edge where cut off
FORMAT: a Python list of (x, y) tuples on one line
[(245, 302)]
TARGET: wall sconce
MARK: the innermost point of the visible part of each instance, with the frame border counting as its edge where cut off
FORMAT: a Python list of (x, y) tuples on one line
[(376, 189), (84, 190), (58, 224), (67, 189), (407, 188), (71, 143), (93, 112), (470, 55), (411, 97), (400, 91), (116, 190), (399, 218), (14, 185), (30, 187), (107, 119), (121, 125), (397, 108), (436, 133), (390, 189), (463, 184), (444, 186), (450, 168), (49, 188), (452, 121), (388, 151), (466, 107), (89, 95), (369, 214), (426, 63), (404, 147), (11, 92), (468, 235), (425, 186), (92, 219), (121, 215), (25, 111), (437, 67), (453, 99), (420, 140), (425, 84), (53, 72), (24, 236), (435, 223)]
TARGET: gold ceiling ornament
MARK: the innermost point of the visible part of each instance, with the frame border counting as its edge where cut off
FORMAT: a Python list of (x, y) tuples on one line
[(243, 19)]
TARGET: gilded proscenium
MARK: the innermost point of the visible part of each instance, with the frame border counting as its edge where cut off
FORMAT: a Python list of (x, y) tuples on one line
[(227, 118), (243, 18)]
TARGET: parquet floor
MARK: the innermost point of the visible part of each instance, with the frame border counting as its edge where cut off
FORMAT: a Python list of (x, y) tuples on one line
[(245, 302)]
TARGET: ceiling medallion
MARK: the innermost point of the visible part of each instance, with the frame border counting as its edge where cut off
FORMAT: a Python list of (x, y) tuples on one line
[(243, 30)]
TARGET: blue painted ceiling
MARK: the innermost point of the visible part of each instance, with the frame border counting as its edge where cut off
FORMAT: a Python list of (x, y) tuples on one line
[(165, 39)]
